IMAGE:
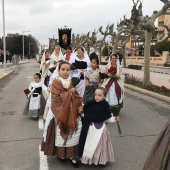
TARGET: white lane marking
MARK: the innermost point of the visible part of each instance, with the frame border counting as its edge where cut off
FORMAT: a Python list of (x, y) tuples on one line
[(41, 123), (43, 160)]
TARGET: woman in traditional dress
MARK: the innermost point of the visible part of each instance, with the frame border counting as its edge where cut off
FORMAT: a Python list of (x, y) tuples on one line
[(91, 79), (44, 67), (63, 125), (36, 98), (81, 63), (67, 56), (115, 83), (159, 155), (95, 144)]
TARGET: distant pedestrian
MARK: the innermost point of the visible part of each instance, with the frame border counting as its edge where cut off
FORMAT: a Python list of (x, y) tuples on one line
[(1, 57)]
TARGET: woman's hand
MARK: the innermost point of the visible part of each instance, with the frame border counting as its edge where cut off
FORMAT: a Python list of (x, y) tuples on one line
[(80, 109), (73, 90), (115, 76), (117, 118), (86, 82), (83, 71)]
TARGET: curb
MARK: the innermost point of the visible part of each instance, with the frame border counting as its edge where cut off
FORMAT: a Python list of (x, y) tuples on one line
[(5, 75), (152, 94)]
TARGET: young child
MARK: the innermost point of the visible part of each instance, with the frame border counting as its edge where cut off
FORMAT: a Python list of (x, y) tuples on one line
[(36, 98), (63, 125), (95, 145), (91, 79)]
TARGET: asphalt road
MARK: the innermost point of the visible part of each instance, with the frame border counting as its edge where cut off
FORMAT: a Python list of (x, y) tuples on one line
[(141, 119)]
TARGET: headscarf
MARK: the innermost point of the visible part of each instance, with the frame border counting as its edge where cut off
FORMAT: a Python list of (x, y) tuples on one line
[(56, 59)]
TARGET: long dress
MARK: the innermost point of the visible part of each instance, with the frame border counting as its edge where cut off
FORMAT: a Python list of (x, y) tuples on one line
[(92, 77), (115, 88), (95, 144), (36, 100), (63, 125), (159, 156), (81, 64)]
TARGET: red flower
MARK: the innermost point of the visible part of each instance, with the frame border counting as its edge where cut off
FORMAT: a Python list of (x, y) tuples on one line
[(26, 91), (167, 90), (149, 87), (46, 59), (163, 87), (52, 69), (104, 74), (112, 70)]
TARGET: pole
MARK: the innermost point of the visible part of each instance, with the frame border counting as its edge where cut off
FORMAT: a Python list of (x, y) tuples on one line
[(4, 41), (29, 49), (23, 44)]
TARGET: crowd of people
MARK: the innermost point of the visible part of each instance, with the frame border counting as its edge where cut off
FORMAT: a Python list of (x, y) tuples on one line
[(74, 96)]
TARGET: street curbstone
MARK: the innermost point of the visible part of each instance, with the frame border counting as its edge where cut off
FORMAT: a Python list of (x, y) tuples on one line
[(147, 92), (6, 75)]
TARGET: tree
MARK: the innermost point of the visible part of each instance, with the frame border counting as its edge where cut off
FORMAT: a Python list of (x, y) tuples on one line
[(146, 24), (162, 46)]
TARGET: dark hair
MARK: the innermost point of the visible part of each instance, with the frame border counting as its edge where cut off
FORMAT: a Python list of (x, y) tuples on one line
[(38, 74), (103, 90), (113, 55), (47, 52), (63, 62), (94, 56), (81, 48), (69, 48)]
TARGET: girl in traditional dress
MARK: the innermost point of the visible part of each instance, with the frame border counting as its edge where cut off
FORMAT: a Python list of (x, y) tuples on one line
[(81, 62), (159, 156), (115, 83), (91, 79), (44, 67), (95, 145), (63, 125), (36, 98)]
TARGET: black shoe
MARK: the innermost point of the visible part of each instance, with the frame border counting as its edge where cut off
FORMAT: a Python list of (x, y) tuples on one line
[(75, 162), (62, 160)]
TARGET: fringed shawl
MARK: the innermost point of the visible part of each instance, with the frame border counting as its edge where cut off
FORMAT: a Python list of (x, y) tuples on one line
[(65, 108)]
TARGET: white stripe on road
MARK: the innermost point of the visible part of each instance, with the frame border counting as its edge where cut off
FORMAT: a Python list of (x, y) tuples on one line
[(43, 160), (41, 123)]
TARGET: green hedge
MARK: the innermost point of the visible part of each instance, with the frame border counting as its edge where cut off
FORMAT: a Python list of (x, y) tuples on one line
[(135, 67)]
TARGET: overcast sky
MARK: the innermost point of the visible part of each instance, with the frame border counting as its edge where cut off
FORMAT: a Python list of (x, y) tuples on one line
[(43, 17)]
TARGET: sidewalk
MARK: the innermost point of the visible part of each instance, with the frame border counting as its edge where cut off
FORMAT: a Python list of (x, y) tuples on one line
[(10, 69), (158, 79)]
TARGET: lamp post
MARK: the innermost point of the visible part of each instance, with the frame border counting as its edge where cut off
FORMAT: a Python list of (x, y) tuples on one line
[(29, 47), (23, 42), (4, 41)]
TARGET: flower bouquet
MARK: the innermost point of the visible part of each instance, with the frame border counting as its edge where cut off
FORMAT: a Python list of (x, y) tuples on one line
[(52, 69), (26, 91), (116, 110), (103, 75), (46, 59), (112, 70)]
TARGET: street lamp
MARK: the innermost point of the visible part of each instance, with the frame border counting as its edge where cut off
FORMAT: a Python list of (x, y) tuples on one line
[(23, 41), (29, 47), (4, 41)]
